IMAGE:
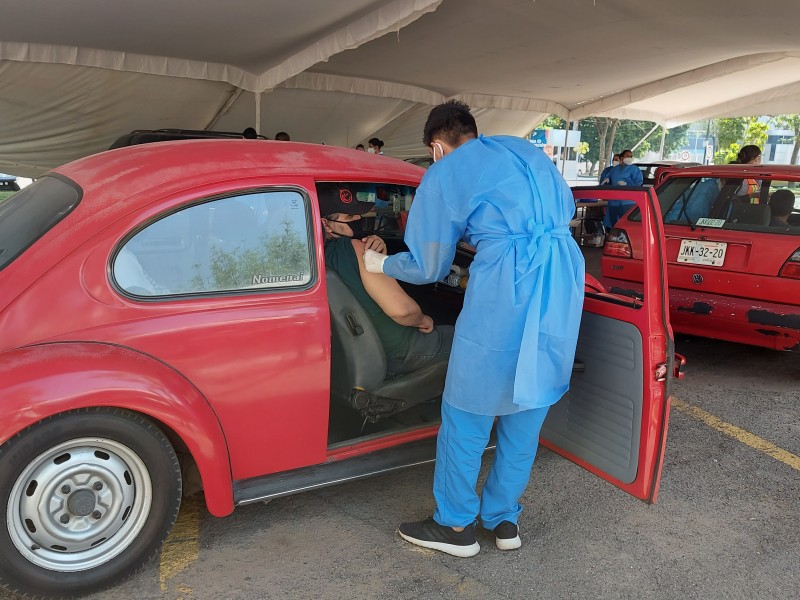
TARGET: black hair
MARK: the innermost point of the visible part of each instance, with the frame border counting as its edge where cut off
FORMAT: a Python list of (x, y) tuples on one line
[(746, 154), (625, 152), (359, 146), (782, 203), (250, 134), (282, 136), (450, 121), (376, 142)]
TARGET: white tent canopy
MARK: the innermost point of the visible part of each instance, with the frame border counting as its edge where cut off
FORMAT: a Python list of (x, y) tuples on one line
[(76, 75)]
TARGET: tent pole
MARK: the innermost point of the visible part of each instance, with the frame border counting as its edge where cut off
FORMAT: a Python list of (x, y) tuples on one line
[(235, 93), (564, 150), (646, 135), (258, 112), (663, 139)]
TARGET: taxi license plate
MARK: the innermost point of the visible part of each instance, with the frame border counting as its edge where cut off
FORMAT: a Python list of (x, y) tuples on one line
[(697, 252)]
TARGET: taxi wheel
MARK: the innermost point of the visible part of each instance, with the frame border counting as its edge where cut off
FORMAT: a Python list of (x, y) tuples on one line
[(88, 496)]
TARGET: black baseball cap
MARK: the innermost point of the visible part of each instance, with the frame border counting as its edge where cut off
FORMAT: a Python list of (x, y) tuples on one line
[(340, 198)]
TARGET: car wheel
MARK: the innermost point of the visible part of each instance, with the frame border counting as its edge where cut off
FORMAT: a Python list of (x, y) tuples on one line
[(89, 496)]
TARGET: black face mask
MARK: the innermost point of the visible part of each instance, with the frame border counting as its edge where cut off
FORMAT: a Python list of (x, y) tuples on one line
[(359, 231)]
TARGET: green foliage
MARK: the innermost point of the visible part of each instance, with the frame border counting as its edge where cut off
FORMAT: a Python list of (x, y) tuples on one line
[(756, 133), (730, 131), (791, 122), (553, 122), (280, 255), (723, 157), (582, 148), (4, 195)]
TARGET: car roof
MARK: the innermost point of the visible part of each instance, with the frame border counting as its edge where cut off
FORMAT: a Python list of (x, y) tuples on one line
[(124, 173)]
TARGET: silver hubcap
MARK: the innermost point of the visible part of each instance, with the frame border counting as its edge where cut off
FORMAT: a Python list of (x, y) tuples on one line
[(79, 504)]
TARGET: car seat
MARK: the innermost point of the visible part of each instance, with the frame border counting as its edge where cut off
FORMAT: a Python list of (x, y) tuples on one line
[(358, 363), (750, 214)]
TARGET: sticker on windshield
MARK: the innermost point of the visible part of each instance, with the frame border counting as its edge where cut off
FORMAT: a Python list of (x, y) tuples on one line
[(706, 222)]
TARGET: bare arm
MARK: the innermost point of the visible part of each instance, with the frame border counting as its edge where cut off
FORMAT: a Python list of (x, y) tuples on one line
[(388, 294)]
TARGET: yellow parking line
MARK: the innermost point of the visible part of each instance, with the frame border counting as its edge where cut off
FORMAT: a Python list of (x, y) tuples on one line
[(182, 547), (738, 434)]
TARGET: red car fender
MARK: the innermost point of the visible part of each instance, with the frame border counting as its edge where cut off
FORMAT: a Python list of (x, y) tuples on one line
[(40, 381)]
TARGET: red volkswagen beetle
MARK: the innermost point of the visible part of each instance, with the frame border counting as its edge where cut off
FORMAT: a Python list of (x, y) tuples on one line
[(165, 310), (733, 252)]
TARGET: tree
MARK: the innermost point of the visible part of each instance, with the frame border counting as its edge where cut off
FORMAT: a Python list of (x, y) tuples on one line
[(756, 133), (729, 131), (791, 122), (676, 137)]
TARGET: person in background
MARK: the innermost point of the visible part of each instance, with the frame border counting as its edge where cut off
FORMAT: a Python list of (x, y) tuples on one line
[(282, 136), (250, 134), (624, 174), (516, 335), (782, 204), (749, 155), (603, 175), (361, 147), (375, 146)]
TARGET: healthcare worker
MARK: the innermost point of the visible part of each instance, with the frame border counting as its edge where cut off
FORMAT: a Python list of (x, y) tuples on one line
[(604, 174), (624, 174), (515, 337)]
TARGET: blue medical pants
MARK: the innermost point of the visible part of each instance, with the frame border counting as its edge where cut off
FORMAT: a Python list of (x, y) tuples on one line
[(459, 448)]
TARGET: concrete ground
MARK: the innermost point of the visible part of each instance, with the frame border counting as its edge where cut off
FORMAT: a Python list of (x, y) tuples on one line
[(725, 526)]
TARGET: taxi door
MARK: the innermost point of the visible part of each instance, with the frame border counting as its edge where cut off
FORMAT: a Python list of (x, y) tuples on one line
[(613, 421)]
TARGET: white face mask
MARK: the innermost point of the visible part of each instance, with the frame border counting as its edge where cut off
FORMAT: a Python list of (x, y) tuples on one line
[(628, 160), (371, 150), (614, 163)]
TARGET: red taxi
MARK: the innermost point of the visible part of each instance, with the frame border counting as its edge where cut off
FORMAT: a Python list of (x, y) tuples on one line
[(166, 314), (733, 252)]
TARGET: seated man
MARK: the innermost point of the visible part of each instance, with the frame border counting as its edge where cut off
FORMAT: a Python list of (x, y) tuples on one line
[(782, 203), (407, 334)]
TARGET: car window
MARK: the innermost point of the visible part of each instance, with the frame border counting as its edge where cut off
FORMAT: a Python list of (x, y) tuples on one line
[(254, 241), (727, 203), (30, 213)]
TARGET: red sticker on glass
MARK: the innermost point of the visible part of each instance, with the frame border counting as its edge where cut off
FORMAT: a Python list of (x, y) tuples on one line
[(345, 196)]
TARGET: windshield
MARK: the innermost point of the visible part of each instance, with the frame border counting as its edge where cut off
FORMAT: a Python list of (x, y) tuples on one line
[(30, 213)]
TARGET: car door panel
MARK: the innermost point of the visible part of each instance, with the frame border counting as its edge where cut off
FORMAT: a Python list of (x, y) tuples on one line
[(613, 420)]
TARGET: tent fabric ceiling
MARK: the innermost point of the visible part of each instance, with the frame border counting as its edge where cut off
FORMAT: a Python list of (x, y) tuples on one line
[(341, 72)]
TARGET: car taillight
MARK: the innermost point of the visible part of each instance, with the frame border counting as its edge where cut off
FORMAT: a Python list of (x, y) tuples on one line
[(617, 244), (791, 268)]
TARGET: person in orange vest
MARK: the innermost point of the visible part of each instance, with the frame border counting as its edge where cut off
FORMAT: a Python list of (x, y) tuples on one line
[(749, 155)]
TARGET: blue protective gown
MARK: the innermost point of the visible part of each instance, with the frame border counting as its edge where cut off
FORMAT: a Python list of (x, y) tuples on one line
[(515, 337), (625, 175)]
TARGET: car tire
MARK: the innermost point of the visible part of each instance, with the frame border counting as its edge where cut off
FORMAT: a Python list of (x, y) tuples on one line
[(89, 497)]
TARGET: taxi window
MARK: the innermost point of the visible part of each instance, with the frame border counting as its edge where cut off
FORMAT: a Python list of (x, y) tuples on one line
[(251, 242), (30, 213)]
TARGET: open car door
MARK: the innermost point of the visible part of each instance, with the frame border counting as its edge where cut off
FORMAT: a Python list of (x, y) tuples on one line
[(613, 421)]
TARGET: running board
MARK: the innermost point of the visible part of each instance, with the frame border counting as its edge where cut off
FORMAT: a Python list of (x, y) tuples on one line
[(305, 479)]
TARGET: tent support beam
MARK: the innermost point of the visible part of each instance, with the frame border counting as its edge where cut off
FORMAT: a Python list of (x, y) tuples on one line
[(646, 135), (226, 106)]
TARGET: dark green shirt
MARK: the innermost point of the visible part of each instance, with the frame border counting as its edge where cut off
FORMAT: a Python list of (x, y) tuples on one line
[(341, 258)]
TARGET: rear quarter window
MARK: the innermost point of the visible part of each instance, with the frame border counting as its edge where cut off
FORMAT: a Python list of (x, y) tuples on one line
[(30, 213), (731, 203)]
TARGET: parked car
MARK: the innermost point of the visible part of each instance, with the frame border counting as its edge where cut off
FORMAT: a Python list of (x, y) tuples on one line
[(166, 310), (734, 269), (8, 185), (650, 169), (148, 136)]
